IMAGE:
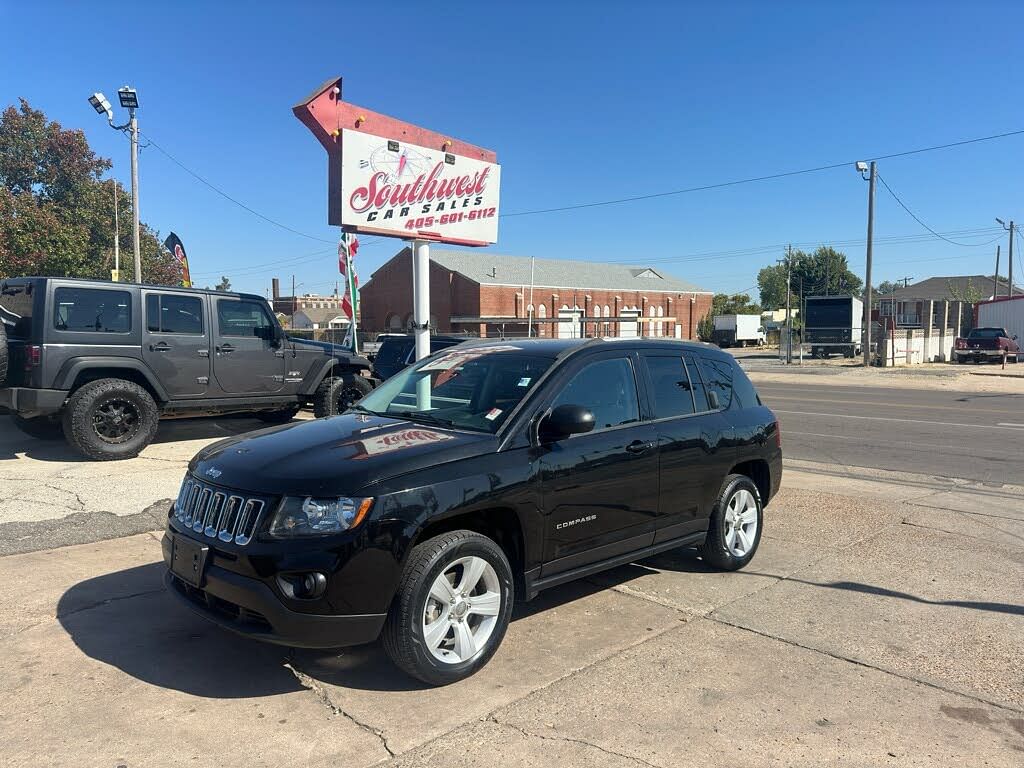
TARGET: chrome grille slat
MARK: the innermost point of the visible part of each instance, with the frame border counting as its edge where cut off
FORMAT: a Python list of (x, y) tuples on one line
[(218, 513)]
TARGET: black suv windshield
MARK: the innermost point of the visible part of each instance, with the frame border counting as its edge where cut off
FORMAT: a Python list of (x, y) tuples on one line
[(468, 388)]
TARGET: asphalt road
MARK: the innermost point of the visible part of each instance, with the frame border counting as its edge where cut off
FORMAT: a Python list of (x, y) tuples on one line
[(975, 436)]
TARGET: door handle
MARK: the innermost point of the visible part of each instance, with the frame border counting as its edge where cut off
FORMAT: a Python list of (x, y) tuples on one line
[(640, 446), (204, 353), (227, 349), (163, 346)]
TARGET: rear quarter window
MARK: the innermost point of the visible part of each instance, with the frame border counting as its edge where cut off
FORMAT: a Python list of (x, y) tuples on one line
[(92, 310), (743, 390), (717, 375)]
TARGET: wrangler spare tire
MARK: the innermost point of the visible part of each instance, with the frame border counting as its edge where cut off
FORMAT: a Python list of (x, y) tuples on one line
[(3, 353)]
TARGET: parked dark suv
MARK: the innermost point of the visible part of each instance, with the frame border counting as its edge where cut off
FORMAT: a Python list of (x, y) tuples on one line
[(102, 362), (398, 351), (479, 476)]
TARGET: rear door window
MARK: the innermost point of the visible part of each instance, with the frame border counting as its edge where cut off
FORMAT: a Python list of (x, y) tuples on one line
[(717, 377), (700, 397), (171, 313), (671, 389), (92, 310)]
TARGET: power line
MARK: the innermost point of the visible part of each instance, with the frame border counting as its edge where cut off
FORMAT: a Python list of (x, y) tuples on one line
[(767, 177), (226, 196), (918, 220)]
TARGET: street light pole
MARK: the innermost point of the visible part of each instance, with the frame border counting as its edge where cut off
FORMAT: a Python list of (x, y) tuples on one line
[(117, 236), (133, 127)]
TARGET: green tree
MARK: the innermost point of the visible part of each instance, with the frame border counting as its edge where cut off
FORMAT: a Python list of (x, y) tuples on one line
[(223, 285), (56, 210), (886, 287), (969, 294), (825, 271)]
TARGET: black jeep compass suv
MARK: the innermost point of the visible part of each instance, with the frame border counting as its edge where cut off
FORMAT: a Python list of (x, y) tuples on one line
[(479, 476)]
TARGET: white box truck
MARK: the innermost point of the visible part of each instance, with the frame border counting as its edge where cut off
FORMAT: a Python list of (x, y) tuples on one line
[(738, 331)]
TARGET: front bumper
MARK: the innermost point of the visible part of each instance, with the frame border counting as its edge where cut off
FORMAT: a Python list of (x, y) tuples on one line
[(249, 607), (980, 354), (29, 402)]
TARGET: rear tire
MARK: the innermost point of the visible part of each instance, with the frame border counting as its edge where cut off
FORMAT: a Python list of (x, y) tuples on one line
[(110, 419), (41, 427), (734, 532), (336, 393), (3, 353), (430, 594)]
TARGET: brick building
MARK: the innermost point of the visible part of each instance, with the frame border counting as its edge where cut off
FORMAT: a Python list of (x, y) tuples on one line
[(489, 294), (288, 305)]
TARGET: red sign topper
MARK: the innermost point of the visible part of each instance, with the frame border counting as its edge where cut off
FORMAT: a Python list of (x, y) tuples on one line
[(407, 203)]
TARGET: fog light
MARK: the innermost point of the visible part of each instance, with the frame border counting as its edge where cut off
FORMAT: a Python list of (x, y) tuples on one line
[(302, 586)]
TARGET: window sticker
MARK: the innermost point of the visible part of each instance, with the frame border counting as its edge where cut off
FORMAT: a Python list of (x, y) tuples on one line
[(524, 382), (493, 414)]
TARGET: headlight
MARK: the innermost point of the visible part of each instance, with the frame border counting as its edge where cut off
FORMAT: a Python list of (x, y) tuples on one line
[(312, 516)]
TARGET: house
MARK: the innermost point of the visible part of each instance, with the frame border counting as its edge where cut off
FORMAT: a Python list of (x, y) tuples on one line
[(489, 294), (907, 307), (319, 319)]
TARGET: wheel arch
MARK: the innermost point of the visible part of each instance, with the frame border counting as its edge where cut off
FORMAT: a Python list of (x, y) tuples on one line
[(80, 372), (759, 472), (500, 524)]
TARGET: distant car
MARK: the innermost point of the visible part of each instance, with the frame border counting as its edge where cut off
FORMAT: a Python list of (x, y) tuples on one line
[(102, 362), (370, 349), (986, 344), (470, 482), (398, 352)]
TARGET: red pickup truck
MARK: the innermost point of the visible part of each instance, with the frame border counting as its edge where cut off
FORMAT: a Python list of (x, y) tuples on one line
[(989, 344)]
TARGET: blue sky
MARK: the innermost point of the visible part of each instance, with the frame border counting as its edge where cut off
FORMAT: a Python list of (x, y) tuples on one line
[(582, 101)]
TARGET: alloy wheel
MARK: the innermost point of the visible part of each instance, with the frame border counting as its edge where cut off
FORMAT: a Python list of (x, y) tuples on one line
[(741, 523), (115, 420), (462, 609)]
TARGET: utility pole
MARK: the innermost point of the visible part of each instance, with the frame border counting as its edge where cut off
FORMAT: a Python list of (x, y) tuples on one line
[(133, 127), (872, 173), (995, 277), (295, 301), (1009, 255), (789, 316)]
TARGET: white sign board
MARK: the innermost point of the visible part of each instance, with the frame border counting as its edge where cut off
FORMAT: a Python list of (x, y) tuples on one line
[(393, 188)]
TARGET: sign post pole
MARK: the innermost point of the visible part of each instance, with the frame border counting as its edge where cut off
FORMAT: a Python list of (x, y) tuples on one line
[(421, 314)]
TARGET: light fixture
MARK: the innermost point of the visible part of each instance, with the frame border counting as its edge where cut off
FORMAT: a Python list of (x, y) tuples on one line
[(129, 97), (862, 166), (1001, 222), (101, 105)]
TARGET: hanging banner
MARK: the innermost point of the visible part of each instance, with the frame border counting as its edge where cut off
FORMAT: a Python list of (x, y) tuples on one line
[(390, 187), (173, 244)]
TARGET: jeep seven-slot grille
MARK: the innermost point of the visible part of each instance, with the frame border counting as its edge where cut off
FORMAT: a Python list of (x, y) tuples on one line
[(217, 513)]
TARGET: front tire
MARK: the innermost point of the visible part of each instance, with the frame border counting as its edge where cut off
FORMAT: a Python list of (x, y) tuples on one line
[(452, 609), (41, 427), (735, 527), (336, 393), (110, 419)]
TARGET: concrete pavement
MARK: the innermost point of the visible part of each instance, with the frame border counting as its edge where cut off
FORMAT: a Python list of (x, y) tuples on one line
[(878, 625)]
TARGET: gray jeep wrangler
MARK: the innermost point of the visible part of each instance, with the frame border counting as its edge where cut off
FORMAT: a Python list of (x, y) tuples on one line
[(102, 362)]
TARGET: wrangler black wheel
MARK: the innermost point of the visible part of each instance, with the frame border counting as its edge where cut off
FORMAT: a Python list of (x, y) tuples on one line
[(337, 393), (110, 419)]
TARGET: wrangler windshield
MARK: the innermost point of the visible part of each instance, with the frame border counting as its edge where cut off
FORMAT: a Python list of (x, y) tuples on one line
[(468, 388)]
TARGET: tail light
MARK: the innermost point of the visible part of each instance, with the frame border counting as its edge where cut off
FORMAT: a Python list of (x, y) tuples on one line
[(961, 344), (33, 356)]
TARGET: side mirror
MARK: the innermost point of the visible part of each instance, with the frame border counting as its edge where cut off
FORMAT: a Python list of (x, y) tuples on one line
[(566, 420), (1014, 337)]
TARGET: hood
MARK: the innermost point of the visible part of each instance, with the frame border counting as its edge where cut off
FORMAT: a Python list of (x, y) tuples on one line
[(334, 456), (331, 350)]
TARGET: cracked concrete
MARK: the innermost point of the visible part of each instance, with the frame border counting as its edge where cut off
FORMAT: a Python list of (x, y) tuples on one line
[(877, 625)]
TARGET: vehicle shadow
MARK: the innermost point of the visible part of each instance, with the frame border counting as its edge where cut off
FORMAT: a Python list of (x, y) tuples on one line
[(127, 620), (14, 442)]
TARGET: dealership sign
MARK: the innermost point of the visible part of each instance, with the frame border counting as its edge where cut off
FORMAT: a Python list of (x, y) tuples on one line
[(390, 187)]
